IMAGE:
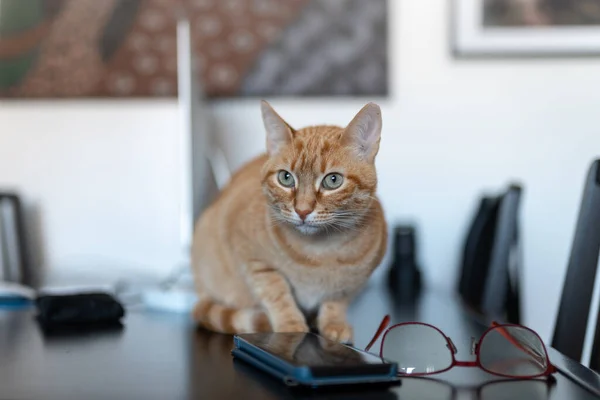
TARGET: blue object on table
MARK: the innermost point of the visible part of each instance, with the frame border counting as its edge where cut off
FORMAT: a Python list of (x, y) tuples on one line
[(15, 295), (14, 302)]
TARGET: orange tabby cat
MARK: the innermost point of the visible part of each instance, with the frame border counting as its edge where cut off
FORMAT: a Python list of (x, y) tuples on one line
[(295, 234)]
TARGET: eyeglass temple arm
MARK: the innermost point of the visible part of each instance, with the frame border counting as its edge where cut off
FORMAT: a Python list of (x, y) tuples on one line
[(510, 337), (516, 343), (384, 323)]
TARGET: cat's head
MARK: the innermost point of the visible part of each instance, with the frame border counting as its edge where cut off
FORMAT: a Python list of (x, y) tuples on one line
[(321, 178)]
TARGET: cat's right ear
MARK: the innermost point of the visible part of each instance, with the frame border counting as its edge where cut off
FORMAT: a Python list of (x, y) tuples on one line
[(279, 133)]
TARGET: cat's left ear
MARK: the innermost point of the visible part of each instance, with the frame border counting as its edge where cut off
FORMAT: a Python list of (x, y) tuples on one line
[(364, 132), (279, 133)]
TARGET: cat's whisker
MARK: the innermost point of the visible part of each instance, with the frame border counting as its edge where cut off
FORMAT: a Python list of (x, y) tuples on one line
[(277, 219), (342, 229), (354, 222), (333, 226), (274, 223)]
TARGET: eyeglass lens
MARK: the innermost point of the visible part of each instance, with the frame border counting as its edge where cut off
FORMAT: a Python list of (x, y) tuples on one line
[(513, 351), (418, 349)]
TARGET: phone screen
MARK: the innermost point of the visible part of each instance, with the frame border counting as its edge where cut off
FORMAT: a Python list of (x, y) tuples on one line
[(308, 349)]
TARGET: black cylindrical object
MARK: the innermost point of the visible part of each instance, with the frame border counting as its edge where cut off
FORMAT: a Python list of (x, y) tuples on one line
[(404, 275)]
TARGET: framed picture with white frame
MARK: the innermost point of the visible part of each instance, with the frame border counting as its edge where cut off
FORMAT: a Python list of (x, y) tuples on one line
[(526, 27)]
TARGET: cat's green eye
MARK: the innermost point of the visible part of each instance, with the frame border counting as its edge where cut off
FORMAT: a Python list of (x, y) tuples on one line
[(332, 181), (285, 179)]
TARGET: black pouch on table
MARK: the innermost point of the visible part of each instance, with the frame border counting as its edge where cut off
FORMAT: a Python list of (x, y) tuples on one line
[(78, 310)]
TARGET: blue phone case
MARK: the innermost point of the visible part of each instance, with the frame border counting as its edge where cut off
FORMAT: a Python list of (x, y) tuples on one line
[(293, 375)]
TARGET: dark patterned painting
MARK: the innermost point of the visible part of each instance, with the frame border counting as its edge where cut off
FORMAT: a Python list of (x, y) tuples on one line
[(128, 48)]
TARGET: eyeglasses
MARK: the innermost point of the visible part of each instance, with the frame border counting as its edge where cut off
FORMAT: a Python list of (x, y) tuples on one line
[(506, 350)]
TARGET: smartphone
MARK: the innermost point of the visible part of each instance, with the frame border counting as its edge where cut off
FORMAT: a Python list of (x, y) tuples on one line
[(307, 359)]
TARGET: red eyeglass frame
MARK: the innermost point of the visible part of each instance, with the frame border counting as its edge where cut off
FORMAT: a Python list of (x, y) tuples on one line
[(456, 363)]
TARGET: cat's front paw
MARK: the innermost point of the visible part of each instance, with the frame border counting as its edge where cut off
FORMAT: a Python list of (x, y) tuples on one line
[(337, 331), (291, 326)]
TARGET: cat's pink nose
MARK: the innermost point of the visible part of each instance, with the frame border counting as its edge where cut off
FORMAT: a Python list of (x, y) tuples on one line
[(303, 213)]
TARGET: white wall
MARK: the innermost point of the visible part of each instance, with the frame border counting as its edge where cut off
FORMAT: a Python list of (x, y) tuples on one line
[(101, 177), (452, 129)]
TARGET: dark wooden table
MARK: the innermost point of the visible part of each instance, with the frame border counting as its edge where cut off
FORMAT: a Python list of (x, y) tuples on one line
[(162, 356)]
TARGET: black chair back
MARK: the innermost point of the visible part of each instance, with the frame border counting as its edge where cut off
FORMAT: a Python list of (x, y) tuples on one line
[(489, 281), (501, 296), (572, 319)]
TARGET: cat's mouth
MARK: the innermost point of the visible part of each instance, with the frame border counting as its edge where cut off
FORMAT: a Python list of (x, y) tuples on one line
[(307, 229)]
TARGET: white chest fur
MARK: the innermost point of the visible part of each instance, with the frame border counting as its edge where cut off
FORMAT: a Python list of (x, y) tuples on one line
[(308, 298), (314, 285)]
